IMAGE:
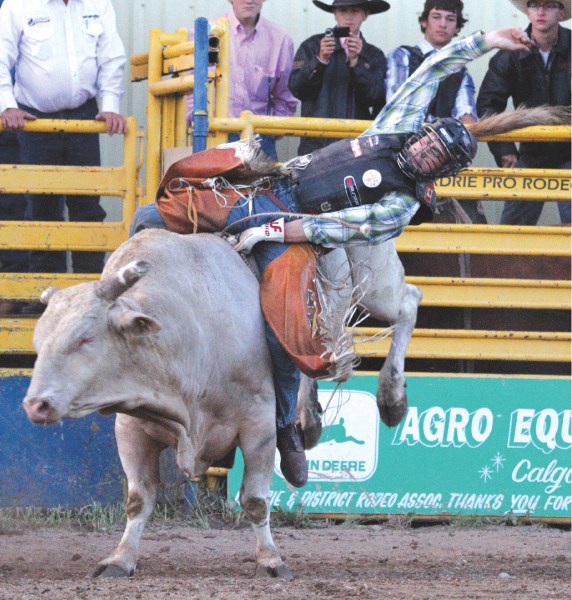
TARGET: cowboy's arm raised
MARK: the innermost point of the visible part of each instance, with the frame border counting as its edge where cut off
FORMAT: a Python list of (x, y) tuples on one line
[(404, 113)]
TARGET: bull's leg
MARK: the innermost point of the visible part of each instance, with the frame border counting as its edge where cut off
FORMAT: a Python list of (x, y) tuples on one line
[(309, 412), (391, 396), (258, 455), (139, 455), (388, 298)]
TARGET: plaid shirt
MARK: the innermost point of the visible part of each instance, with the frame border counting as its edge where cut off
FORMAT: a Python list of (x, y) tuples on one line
[(398, 70), (404, 113)]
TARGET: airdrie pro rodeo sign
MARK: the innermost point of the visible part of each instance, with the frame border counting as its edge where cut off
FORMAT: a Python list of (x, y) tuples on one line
[(496, 183), (467, 446)]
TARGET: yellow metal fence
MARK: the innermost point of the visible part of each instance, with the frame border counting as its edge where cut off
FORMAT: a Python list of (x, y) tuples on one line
[(120, 182), (105, 181), (168, 71)]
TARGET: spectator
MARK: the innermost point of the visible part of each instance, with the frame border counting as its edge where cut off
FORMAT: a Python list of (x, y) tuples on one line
[(260, 60), (441, 21), (340, 78), (65, 53), (532, 77), (12, 208)]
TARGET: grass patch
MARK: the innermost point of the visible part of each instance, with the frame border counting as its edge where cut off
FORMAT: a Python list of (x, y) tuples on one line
[(400, 521), (207, 509), (92, 517), (297, 518), (210, 509), (353, 521), (508, 520)]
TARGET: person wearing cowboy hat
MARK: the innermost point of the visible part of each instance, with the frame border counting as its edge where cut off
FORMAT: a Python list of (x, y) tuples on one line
[(339, 77), (535, 77)]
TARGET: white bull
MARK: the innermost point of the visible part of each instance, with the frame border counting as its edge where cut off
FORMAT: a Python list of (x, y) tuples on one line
[(172, 339)]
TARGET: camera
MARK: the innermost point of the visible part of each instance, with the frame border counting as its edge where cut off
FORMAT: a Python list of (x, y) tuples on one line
[(338, 32)]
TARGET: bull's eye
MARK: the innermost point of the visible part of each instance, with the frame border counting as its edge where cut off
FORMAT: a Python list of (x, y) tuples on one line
[(84, 341)]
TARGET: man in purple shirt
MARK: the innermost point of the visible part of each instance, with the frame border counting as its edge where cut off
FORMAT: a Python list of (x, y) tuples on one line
[(261, 55)]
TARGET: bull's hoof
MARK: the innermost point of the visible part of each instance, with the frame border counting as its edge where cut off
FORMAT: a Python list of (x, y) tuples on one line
[(111, 570), (393, 415), (280, 571)]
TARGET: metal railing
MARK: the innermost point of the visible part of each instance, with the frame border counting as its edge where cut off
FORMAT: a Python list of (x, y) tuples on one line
[(120, 181), (103, 181)]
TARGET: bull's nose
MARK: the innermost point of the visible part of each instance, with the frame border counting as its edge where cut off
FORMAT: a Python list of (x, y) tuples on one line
[(40, 410)]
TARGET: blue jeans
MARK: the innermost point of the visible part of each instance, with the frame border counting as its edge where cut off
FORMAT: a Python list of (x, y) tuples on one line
[(74, 149), (12, 206), (286, 374), (522, 212)]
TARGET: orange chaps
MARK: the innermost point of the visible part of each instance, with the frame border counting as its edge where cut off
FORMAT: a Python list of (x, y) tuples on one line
[(290, 304)]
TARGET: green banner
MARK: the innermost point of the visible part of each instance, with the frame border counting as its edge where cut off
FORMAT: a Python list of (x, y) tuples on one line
[(467, 446)]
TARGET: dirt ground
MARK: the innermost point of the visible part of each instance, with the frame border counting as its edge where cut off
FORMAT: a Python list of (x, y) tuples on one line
[(334, 562)]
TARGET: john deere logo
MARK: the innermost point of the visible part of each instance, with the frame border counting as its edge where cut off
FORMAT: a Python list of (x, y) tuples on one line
[(347, 450)]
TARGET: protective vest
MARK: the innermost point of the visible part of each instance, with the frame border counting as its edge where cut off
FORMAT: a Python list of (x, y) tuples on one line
[(353, 172), (444, 102)]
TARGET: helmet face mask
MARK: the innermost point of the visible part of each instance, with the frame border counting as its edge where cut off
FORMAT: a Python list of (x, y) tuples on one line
[(442, 148)]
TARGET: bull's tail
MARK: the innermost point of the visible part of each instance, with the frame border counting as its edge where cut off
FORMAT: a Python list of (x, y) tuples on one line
[(521, 117)]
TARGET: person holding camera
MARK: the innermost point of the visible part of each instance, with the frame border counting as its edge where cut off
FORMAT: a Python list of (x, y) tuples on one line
[(337, 74)]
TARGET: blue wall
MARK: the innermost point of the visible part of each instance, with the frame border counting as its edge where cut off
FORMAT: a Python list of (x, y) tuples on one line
[(69, 464)]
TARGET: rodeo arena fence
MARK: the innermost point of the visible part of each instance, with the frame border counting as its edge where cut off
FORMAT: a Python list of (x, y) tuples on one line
[(488, 430)]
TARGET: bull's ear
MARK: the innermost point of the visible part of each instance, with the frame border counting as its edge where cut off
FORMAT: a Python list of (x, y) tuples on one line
[(133, 322)]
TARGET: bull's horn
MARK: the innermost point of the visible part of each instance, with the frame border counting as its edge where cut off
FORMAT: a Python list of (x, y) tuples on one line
[(47, 294), (109, 288)]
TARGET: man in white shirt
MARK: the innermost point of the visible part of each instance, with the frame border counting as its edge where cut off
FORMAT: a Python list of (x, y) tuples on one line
[(12, 208), (65, 53)]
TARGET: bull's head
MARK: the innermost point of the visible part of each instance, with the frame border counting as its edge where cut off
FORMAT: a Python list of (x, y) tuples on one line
[(72, 330)]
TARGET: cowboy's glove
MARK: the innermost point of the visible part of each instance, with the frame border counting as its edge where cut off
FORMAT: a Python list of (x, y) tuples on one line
[(269, 232)]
